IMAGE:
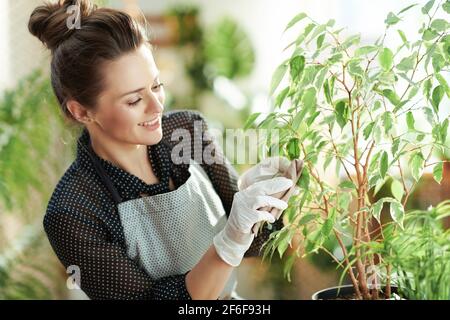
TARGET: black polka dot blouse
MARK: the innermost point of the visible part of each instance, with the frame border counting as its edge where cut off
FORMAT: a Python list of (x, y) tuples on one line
[(83, 224)]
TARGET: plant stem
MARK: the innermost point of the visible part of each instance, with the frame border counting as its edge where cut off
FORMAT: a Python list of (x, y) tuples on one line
[(347, 261)]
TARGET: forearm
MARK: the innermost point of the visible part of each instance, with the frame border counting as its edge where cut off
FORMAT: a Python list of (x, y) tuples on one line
[(209, 276)]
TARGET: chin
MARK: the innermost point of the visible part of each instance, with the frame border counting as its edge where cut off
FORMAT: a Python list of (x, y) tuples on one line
[(153, 138)]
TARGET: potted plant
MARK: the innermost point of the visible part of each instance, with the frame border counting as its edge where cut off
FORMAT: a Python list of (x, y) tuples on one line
[(371, 113)]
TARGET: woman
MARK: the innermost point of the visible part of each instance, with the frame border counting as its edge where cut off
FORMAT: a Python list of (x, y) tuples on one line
[(137, 225)]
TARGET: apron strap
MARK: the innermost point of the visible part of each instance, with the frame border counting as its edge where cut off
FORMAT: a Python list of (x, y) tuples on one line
[(103, 174)]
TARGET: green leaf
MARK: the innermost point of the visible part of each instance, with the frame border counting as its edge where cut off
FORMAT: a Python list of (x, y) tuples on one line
[(293, 148), (397, 189), (446, 6), (427, 85), (443, 83), (438, 62), (320, 40), (437, 172), (251, 119), (386, 58), (368, 130), (321, 78), (429, 34), (378, 185), (309, 98), (355, 69), (313, 117), (304, 180), (307, 218), (277, 77), (327, 92), (297, 65), (438, 94), (427, 7), (397, 213), (365, 50), (308, 29), (416, 163), (387, 120), (413, 92), (410, 120), (376, 209), (327, 226), (402, 35), (298, 118), (296, 19), (444, 130), (407, 63), (395, 146), (342, 113), (320, 29), (281, 96), (407, 8), (439, 25), (347, 185), (377, 105), (288, 267), (391, 19), (384, 163), (392, 96), (283, 241)]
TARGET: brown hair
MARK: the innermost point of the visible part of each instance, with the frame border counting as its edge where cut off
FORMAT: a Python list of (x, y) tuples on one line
[(78, 54)]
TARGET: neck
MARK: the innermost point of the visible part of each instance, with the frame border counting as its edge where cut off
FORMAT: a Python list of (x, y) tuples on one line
[(129, 157)]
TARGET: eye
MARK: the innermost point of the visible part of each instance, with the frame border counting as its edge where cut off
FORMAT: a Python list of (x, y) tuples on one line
[(157, 87), (132, 104)]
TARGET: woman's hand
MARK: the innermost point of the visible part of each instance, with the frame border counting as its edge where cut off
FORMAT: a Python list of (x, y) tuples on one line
[(266, 169), (234, 240)]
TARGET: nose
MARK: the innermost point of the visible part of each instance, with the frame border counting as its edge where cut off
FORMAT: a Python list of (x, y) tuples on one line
[(155, 103)]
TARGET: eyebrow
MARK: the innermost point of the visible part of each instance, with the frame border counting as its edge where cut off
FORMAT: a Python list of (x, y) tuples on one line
[(137, 90)]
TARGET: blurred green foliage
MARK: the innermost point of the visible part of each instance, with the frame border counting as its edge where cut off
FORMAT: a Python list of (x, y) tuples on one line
[(32, 158)]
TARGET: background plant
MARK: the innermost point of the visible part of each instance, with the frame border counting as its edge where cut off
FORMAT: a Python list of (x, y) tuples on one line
[(420, 255), (32, 158), (372, 113)]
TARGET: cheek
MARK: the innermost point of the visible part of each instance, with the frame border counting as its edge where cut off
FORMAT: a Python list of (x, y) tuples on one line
[(120, 121), (162, 96)]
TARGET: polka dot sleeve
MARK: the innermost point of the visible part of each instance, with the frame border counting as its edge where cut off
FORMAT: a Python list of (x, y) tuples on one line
[(106, 272)]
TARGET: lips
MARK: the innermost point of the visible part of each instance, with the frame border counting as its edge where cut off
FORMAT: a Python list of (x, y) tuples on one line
[(149, 123)]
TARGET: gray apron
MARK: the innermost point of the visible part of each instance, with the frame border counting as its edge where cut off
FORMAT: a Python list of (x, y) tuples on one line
[(168, 233)]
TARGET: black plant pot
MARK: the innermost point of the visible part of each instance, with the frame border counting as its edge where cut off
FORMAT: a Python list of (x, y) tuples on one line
[(340, 292)]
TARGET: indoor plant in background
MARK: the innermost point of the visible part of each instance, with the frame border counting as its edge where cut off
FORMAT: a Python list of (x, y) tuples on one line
[(420, 255), (372, 113)]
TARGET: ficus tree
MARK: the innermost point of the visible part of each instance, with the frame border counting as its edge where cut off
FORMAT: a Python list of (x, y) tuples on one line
[(358, 115)]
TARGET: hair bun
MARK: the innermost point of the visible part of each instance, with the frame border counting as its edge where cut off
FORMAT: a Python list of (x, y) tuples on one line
[(50, 24)]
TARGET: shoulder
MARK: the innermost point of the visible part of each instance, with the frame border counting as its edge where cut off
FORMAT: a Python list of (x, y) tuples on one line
[(181, 119), (77, 195)]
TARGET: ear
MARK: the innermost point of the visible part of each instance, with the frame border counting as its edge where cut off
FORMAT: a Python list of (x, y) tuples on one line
[(79, 112)]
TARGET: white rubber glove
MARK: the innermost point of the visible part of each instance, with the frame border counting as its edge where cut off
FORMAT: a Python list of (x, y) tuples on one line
[(266, 169), (236, 237)]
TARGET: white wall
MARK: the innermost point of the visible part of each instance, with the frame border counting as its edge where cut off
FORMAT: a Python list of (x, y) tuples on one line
[(265, 20), (4, 40), (20, 52)]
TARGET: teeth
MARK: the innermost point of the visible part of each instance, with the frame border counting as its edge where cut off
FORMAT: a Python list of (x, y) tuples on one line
[(149, 123)]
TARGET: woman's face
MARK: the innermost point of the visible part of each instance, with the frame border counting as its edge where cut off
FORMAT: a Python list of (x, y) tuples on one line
[(133, 95)]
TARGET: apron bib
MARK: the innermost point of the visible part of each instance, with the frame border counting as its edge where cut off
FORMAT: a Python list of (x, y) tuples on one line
[(168, 233)]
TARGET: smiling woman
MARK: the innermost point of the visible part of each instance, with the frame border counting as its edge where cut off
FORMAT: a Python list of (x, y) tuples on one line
[(135, 224)]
